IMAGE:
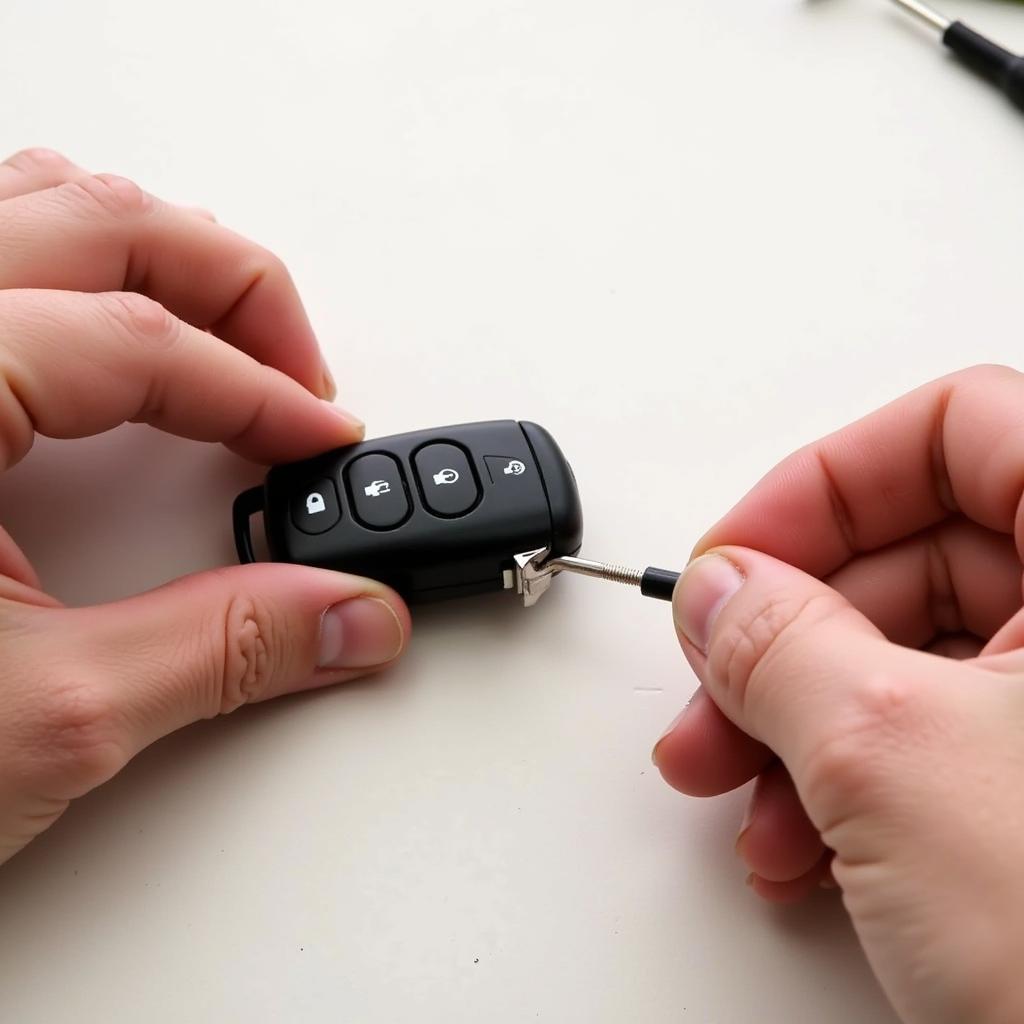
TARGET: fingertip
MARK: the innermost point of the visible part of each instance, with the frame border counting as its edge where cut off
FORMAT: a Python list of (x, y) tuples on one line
[(703, 545), (352, 423), (292, 424), (704, 588), (703, 754), (794, 891), (398, 607), (199, 211), (777, 840), (328, 387), (363, 632)]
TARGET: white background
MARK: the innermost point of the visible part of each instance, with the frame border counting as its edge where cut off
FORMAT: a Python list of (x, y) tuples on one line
[(687, 237)]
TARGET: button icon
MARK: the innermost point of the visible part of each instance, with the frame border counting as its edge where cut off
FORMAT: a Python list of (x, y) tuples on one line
[(504, 469), (446, 479), (314, 506), (377, 488)]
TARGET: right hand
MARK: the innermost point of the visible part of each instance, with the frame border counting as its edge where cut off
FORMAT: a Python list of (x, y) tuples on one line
[(816, 618)]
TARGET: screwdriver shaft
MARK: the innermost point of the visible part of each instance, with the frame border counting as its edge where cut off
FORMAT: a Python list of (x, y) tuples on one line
[(598, 570), (656, 583), (927, 14), (532, 575)]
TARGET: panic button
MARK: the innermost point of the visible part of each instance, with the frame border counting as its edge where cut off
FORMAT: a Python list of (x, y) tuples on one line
[(446, 480)]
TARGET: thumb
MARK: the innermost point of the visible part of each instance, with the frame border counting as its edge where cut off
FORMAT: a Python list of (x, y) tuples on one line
[(793, 664), (906, 763), (206, 644)]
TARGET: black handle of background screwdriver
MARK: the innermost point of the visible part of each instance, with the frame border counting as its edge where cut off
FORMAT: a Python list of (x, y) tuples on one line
[(658, 583), (1000, 66)]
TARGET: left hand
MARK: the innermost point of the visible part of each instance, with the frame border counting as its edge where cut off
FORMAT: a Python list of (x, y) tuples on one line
[(115, 307)]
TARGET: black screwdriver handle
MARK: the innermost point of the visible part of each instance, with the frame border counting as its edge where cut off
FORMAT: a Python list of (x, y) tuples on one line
[(658, 583), (1000, 66)]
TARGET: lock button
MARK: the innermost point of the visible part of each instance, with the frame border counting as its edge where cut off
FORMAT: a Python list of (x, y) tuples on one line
[(315, 509)]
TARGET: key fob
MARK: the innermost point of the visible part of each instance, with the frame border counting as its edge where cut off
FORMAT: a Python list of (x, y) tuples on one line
[(435, 514)]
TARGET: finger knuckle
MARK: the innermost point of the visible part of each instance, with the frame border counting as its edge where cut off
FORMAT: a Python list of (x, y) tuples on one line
[(880, 716), (36, 158), (141, 319), (78, 732), (247, 645), (17, 425), (745, 646), (108, 194)]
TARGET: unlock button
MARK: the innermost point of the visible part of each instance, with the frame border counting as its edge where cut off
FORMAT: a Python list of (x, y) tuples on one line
[(315, 508)]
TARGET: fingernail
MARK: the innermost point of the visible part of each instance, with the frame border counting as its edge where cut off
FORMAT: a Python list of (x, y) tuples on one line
[(328, 389), (360, 633), (748, 820), (705, 587), (671, 728), (343, 414)]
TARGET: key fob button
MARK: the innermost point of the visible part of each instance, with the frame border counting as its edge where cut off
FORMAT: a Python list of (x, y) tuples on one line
[(378, 491), (446, 479), (315, 508), (436, 514)]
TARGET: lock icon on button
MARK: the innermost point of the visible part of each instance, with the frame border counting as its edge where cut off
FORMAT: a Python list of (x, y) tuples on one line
[(315, 503)]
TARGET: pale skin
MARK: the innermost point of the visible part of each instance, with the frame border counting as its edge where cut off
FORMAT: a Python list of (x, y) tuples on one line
[(114, 307), (855, 622)]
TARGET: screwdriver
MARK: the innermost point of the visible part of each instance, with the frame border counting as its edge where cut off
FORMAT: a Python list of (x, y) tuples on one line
[(535, 571), (653, 582), (999, 66)]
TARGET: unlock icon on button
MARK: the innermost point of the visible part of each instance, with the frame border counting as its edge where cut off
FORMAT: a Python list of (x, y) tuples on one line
[(315, 503)]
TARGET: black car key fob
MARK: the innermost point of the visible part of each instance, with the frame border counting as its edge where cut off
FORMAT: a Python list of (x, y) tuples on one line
[(434, 514)]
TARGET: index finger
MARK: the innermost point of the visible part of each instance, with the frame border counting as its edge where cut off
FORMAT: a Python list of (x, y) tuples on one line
[(31, 170), (127, 360), (101, 233), (956, 444)]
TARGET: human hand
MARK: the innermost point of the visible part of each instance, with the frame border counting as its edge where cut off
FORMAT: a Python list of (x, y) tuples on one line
[(856, 626), (115, 307)]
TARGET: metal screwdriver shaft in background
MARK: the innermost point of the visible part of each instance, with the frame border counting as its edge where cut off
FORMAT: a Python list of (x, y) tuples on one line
[(925, 13)]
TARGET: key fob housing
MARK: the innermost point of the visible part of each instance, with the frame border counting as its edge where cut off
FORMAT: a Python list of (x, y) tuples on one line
[(434, 513)]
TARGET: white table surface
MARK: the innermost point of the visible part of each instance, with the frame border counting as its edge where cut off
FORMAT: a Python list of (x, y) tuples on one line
[(687, 237)]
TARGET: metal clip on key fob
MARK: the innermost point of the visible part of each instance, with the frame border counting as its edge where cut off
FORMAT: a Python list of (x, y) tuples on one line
[(450, 512), (435, 514)]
